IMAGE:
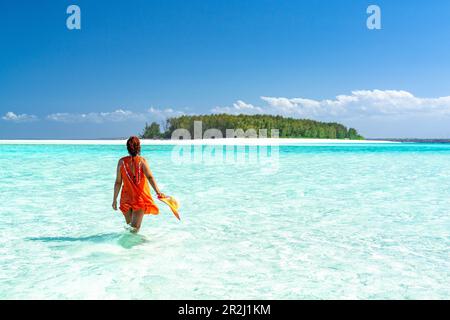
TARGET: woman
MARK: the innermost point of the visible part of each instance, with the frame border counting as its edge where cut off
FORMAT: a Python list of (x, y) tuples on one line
[(135, 199)]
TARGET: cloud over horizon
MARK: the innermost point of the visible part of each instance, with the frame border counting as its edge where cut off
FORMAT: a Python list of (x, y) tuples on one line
[(238, 107), (162, 114), (118, 115), (361, 103), (375, 113), (11, 116)]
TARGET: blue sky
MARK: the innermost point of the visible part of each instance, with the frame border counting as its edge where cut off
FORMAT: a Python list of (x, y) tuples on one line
[(139, 61)]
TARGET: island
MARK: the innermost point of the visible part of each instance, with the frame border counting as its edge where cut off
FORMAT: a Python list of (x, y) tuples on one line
[(287, 127)]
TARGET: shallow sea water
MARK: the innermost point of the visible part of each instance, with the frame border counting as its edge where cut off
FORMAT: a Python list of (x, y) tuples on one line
[(326, 222)]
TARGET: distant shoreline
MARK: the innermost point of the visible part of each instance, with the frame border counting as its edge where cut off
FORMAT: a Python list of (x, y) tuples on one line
[(415, 140), (235, 141)]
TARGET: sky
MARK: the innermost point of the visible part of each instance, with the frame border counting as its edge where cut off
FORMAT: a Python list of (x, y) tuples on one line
[(139, 61)]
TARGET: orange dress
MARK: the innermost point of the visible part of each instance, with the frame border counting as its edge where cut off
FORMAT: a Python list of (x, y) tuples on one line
[(135, 190)]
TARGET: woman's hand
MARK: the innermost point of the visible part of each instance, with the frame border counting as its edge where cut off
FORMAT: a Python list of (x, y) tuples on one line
[(114, 205), (161, 195)]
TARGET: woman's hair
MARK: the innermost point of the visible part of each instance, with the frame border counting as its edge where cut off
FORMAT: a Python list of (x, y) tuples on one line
[(134, 146)]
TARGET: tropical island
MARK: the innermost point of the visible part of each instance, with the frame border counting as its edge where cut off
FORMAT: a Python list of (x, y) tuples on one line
[(288, 127)]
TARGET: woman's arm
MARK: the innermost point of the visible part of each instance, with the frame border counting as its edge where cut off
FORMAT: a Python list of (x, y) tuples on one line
[(117, 185), (151, 179)]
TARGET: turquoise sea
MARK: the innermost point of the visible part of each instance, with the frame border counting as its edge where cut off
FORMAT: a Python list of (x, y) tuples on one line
[(369, 221)]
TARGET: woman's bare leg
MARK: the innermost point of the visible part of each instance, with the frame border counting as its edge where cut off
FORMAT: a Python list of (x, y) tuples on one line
[(128, 216), (136, 220)]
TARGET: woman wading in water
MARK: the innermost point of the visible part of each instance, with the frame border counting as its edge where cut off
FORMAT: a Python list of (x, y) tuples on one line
[(132, 175)]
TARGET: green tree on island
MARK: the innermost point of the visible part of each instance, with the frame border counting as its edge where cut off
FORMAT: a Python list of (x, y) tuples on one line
[(152, 131), (288, 127)]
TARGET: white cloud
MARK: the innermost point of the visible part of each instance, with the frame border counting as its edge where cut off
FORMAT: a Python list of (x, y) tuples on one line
[(11, 116), (362, 103), (164, 113), (119, 115), (238, 108), (98, 117)]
